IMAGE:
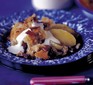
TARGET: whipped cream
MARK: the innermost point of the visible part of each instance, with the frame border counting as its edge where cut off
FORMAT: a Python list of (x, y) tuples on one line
[(49, 38), (18, 47), (35, 24)]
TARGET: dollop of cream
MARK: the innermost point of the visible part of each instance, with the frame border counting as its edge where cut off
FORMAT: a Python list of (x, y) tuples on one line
[(18, 47), (49, 38), (36, 24)]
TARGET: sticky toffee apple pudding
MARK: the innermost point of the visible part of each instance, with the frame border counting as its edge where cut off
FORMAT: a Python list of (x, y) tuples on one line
[(43, 39)]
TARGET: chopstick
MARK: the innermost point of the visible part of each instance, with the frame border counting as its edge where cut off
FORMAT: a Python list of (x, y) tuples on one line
[(61, 80)]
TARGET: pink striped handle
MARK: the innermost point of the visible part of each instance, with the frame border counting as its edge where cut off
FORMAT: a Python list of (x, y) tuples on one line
[(58, 80)]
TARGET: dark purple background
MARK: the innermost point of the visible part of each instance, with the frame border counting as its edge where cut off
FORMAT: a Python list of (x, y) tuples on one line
[(8, 7), (9, 76)]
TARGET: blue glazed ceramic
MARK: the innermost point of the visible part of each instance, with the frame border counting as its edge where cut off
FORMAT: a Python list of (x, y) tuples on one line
[(79, 23)]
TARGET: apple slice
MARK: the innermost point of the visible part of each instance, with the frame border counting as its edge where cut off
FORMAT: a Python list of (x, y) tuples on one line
[(63, 27), (64, 37), (56, 45)]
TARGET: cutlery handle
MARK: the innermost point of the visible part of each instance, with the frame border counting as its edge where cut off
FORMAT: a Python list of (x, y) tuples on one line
[(58, 80)]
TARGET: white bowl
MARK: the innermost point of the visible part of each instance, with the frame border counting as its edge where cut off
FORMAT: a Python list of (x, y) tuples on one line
[(51, 4)]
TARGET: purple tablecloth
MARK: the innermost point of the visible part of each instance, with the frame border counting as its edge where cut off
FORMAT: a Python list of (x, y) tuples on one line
[(8, 7), (9, 76)]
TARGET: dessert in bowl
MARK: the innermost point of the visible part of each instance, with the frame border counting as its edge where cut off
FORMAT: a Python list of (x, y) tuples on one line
[(43, 39), (75, 25)]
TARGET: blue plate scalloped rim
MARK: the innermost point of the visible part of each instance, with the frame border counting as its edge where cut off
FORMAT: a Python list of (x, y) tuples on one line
[(79, 23)]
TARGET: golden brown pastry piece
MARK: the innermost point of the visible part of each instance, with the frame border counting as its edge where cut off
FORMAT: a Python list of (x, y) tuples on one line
[(48, 22), (28, 21), (16, 30)]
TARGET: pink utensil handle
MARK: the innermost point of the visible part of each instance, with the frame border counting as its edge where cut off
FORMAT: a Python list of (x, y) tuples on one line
[(58, 80)]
